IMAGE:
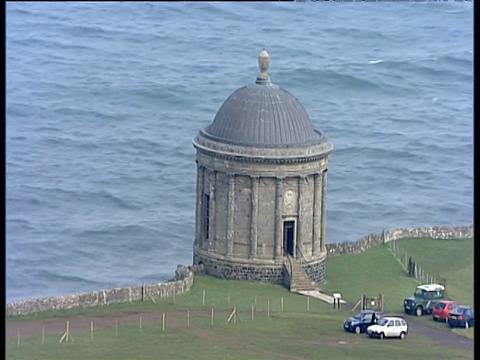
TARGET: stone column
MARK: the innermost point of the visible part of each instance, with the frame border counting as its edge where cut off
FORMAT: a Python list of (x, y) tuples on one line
[(324, 210), (317, 213), (254, 218), (230, 213), (301, 214), (198, 215), (278, 219), (212, 191)]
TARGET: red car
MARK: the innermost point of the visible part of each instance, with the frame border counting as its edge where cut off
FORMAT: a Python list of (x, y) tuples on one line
[(442, 309)]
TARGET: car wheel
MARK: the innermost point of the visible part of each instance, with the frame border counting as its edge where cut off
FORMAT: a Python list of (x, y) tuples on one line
[(381, 336), (467, 325), (358, 330), (419, 311), (402, 335)]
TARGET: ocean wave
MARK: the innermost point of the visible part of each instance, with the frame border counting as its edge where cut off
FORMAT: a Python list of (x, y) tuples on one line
[(36, 194), (335, 79), (362, 33), (124, 230), (116, 200), (450, 59), (422, 69), (13, 222), (73, 280)]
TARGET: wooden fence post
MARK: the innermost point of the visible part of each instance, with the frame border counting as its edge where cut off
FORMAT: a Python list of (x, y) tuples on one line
[(66, 336)]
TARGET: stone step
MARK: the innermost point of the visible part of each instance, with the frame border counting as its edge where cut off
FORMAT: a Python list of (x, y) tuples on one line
[(300, 281), (297, 288)]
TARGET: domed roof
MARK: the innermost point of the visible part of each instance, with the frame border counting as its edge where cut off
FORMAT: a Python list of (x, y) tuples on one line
[(263, 115)]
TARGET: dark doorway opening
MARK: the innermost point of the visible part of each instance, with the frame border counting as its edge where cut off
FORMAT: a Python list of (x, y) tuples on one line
[(289, 237)]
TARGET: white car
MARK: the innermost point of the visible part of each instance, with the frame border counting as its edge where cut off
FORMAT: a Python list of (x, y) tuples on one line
[(389, 326)]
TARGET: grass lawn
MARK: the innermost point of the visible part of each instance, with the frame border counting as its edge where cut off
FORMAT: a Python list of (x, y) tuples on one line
[(451, 259), (370, 273)]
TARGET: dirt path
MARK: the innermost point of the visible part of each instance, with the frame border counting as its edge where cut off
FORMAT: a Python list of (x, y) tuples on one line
[(441, 335)]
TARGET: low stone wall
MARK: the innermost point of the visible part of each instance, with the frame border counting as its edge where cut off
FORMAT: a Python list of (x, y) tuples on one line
[(182, 283), (368, 241)]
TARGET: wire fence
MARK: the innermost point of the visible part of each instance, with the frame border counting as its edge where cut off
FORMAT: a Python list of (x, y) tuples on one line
[(411, 267), (90, 328)]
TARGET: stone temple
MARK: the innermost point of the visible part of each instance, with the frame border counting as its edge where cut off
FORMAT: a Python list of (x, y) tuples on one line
[(262, 189)]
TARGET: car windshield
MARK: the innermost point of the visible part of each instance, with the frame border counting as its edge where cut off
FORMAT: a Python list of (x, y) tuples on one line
[(383, 322), (359, 316), (440, 306), (419, 293)]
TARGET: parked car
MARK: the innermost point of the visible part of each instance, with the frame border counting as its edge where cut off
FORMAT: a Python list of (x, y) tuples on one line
[(461, 316), (359, 323), (389, 326), (442, 309), (424, 299)]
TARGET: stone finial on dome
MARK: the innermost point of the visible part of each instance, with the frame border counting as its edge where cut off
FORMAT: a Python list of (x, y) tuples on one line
[(263, 62)]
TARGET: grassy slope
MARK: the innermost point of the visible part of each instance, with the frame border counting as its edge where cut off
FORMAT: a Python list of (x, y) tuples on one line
[(373, 272), (451, 259), (294, 333)]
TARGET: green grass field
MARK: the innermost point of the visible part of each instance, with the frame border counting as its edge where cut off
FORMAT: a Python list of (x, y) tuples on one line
[(296, 328), (451, 259)]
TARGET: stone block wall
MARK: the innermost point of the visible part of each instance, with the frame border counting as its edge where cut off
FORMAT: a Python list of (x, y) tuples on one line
[(316, 271), (182, 283), (231, 270), (368, 241)]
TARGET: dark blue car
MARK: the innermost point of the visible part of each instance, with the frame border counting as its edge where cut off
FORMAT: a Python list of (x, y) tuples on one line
[(360, 322), (462, 316)]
